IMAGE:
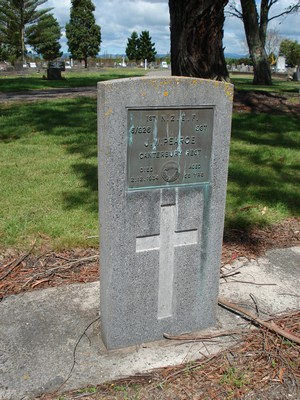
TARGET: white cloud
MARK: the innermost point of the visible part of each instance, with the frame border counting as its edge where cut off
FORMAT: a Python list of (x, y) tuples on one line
[(61, 10), (118, 19), (287, 26), (234, 39)]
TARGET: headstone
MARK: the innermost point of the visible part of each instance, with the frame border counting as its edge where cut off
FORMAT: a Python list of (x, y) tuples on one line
[(280, 65), (54, 74), (296, 75), (54, 70), (163, 158)]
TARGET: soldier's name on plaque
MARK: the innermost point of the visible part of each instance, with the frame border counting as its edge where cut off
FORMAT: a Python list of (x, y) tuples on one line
[(169, 147)]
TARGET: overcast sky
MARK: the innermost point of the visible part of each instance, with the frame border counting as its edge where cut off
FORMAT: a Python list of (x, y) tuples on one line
[(119, 18)]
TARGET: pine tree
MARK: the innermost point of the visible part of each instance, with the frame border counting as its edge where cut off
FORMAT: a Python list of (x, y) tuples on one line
[(83, 34), (15, 16), (132, 49), (146, 49), (44, 37)]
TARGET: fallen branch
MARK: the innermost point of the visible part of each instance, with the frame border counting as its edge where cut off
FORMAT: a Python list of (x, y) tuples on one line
[(251, 283), (204, 336), (60, 268), (18, 262), (71, 263), (223, 276), (269, 325)]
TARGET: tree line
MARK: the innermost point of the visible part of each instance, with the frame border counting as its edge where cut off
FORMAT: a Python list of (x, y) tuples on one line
[(196, 28), (140, 47), (23, 23)]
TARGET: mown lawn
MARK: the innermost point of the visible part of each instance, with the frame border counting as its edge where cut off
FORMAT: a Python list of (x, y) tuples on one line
[(264, 170), (279, 85), (48, 179)]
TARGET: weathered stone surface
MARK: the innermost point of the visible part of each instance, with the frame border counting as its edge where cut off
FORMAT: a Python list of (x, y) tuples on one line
[(160, 246)]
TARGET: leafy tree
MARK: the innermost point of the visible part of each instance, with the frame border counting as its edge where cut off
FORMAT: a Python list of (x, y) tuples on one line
[(83, 34), (15, 16), (255, 24), (146, 49), (44, 37), (196, 38), (132, 49), (291, 50)]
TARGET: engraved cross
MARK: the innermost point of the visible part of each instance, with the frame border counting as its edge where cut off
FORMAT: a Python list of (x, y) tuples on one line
[(165, 242)]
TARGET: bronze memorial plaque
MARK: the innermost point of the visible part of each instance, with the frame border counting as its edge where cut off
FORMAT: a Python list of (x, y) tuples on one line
[(169, 147)]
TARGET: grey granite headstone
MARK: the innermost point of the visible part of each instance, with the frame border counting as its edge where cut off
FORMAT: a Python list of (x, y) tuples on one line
[(163, 159)]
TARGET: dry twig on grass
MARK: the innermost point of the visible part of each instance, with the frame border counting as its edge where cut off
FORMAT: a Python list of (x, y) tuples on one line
[(50, 269), (16, 263)]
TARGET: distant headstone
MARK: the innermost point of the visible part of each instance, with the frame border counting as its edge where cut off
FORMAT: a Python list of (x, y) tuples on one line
[(280, 65), (296, 75), (163, 158), (54, 69)]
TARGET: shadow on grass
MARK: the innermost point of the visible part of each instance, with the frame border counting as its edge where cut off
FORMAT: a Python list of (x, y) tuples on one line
[(69, 123), (278, 85), (73, 122), (87, 195), (26, 83), (264, 168), (263, 164), (265, 129)]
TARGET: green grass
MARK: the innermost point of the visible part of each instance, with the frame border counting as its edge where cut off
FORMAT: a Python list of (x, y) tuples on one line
[(72, 79), (48, 172), (264, 177), (279, 85)]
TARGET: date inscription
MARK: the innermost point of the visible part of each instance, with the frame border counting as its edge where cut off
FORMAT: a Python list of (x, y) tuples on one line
[(169, 147)]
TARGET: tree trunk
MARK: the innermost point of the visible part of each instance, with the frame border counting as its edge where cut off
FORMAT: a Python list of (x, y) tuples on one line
[(256, 42), (261, 69), (196, 38)]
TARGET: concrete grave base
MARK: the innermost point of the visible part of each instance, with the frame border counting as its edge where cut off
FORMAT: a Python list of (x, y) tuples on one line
[(39, 331)]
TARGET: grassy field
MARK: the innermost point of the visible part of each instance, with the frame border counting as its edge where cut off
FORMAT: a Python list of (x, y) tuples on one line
[(48, 172), (264, 177), (280, 85), (71, 79)]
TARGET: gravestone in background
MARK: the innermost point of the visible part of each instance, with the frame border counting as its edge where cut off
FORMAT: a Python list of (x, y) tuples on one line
[(163, 158), (280, 65), (54, 70)]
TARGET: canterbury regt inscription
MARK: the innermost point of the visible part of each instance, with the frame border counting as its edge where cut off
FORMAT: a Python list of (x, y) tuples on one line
[(169, 147)]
